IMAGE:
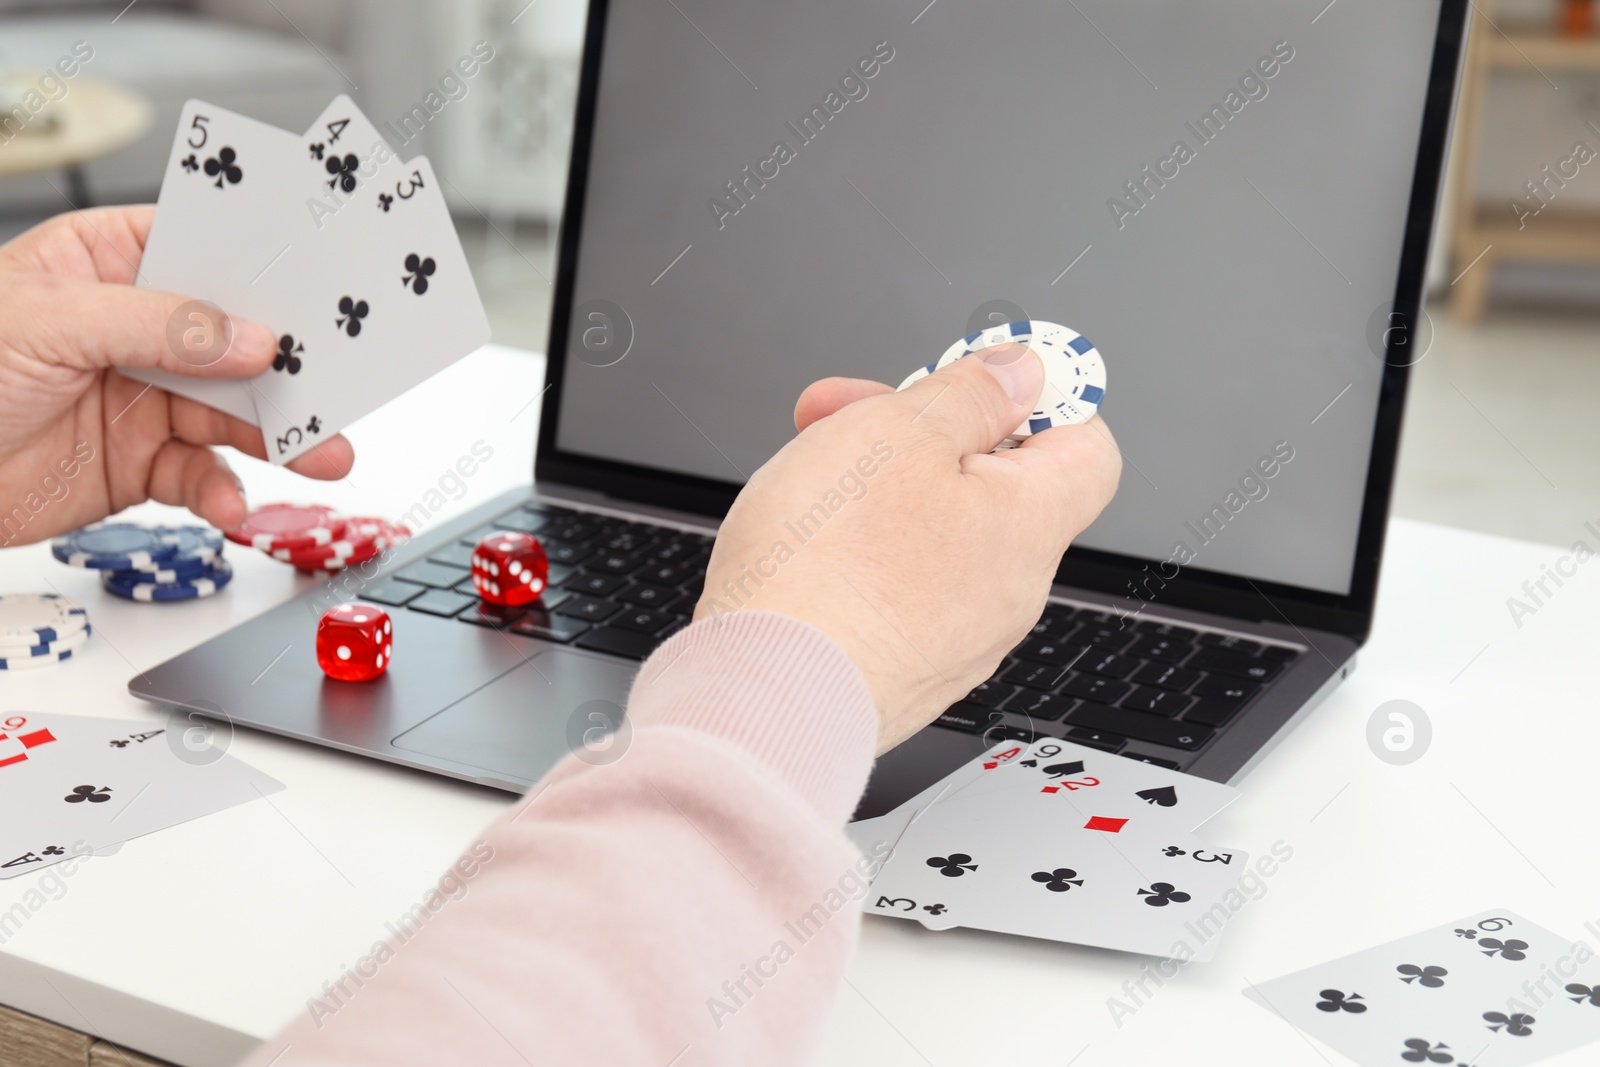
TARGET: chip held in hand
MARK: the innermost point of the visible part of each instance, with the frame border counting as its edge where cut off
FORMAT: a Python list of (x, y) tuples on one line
[(1074, 373), (510, 568), (354, 642)]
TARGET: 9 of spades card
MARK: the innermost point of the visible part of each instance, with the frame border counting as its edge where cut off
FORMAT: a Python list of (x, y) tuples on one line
[(382, 301)]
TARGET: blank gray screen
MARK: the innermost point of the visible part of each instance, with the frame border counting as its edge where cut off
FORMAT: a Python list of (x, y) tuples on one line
[(1024, 153)]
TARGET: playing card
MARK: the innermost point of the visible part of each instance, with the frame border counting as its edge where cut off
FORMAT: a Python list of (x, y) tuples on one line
[(1492, 990), (866, 832), (222, 221), (347, 253), (1065, 866), (343, 153), (1051, 767), (85, 784), (384, 301)]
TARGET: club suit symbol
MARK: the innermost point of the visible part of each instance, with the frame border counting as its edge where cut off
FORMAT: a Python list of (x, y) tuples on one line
[(1429, 977), (954, 865), (419, 270), (1517, 1025), (90, 793), (1421, 1050), (224, 167), (1337, 1000), (1160, 894), (352, 311), (1060, 880), (343, 169), (1509, 949), (289, 353)]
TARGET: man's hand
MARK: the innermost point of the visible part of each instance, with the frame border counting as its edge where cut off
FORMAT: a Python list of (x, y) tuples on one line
[(889, 526), (69, 316)]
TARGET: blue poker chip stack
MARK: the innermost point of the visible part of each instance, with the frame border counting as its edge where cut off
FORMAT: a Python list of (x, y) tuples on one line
[(150, 588), (154, 564)]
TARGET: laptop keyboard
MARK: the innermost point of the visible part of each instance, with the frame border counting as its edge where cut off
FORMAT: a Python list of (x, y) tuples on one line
[(616, 586), (1149, 690), (1152, 691)]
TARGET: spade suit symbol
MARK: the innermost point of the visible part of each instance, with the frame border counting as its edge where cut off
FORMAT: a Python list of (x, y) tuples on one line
[(1163, 796)]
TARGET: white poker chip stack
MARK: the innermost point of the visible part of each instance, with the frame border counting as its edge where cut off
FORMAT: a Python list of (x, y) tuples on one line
[(40, 630)]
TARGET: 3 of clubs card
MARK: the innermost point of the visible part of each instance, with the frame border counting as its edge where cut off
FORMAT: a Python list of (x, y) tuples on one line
[(377, 301), (1490, 990)]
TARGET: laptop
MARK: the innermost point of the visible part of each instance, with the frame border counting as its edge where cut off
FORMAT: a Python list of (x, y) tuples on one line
[(1232, 201)]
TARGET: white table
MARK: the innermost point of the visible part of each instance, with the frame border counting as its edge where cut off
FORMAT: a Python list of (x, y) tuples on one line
[(195, 942)]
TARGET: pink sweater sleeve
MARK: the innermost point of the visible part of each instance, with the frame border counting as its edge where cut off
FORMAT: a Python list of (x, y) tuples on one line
[(692, 902)]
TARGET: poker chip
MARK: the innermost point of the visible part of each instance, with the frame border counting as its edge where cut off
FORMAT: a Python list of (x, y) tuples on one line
[(69, 643), (217, 575), (30, 662), (1075, 374), (914, 377), (365, 539), (30, 619), (113, 546), (358, 531), (199, 543), (287, 527), (172, 570), (316, 539)]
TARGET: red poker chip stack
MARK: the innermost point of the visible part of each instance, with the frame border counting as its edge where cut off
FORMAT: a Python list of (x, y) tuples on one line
[(317, 539)]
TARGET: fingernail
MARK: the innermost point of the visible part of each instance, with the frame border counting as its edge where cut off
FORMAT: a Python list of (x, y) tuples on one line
[(251, 338), (1017, 370)]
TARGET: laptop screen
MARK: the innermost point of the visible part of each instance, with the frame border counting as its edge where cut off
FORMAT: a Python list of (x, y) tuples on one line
[(1215, 194)]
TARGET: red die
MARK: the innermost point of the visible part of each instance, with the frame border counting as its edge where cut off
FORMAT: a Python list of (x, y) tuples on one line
[(510, 568), (354, 642)]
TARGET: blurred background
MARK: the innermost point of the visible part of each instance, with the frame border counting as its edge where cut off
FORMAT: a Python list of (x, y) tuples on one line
[(1503, 426)]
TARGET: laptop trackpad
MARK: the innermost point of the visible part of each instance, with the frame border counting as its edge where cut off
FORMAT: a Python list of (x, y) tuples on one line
[(522, 723)]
